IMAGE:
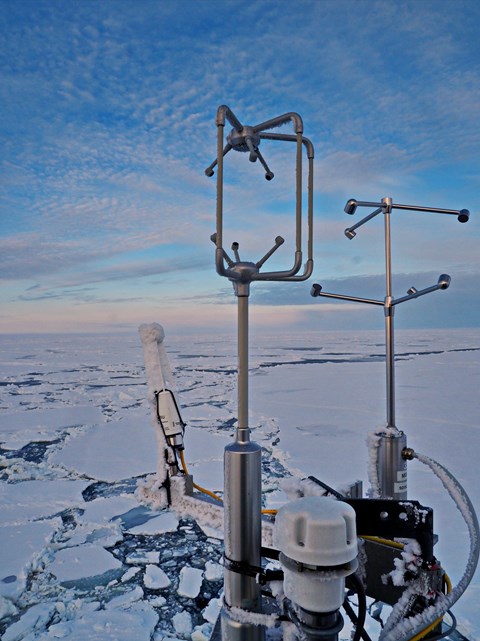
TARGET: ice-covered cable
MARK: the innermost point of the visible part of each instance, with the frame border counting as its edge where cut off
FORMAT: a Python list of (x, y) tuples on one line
[(464, 505), (412, 626)]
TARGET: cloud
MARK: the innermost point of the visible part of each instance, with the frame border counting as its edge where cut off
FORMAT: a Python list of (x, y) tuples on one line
[(108, 123), (451, 308)]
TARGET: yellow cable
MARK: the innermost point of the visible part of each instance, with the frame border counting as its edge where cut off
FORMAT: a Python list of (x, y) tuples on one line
[(207, 492), (427, 630), (198, 487), (389, 542), (448, 583), (401, 546)]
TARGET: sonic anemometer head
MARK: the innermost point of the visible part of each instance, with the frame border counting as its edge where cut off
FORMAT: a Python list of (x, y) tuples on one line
[(247, 138)]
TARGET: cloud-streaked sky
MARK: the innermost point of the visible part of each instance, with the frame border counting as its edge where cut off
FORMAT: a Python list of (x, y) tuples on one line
[(108, 122)]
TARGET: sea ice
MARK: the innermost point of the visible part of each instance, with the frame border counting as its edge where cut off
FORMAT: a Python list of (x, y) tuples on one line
[(143, 558), (113, 451), (190, 582), (38, 499), (158, 523), (138, 622), (182, 622), (105, 535), (213, 571), (7, 608), (211, 612), (126, 599), (20, 546), (108, 508), (202, 632), (155, 578), (19, 429), (129, 574), (34, 619), (75, 565)]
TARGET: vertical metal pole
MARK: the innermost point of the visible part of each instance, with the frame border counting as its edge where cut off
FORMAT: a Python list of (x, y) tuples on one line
[(243, 431), (219, 212), (392, 468), (389, 311), (242, 501)]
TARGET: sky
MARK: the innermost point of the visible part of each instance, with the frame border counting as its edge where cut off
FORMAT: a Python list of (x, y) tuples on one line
[(108, 123)]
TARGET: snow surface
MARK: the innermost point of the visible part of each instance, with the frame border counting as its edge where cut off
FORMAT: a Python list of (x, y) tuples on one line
[(82, 557)]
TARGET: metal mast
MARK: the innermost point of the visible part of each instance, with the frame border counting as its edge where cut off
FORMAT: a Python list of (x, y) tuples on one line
[(242, 461)]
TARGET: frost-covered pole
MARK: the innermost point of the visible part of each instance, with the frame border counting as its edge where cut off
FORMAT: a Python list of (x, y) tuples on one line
[(242, 462)]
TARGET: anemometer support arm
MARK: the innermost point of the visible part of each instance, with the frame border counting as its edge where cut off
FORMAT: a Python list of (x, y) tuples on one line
[(387, 206), (443, 283)]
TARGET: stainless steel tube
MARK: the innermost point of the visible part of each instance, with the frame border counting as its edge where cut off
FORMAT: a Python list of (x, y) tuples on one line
[(392, 467), (242, 505), (242, 537), (243, 431), (389, 311)]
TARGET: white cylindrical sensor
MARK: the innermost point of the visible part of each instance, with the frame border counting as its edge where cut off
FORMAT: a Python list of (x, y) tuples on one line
[(317, 540)]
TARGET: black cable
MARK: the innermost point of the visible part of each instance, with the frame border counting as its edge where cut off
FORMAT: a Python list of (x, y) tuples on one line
[(447, 632), (356, 584), (360, 633)]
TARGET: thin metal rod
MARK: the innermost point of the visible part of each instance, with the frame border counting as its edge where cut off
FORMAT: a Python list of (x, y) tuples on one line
[(433, 210), (281, 120), (299, 193), (389, 325), (353, 299), (219, 231), (366, 219), (427, 290), (225, 112), (310, 209), (243, 431)]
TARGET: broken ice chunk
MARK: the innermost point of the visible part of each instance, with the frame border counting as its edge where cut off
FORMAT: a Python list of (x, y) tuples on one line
[(155, 578), (182, 622), (190, 582)]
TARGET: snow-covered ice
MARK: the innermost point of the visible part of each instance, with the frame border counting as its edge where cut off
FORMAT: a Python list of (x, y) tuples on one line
[(155, 578), (190, 582), (82, 557)]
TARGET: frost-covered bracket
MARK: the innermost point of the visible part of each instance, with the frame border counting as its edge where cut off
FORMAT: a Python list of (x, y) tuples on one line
[(390, 445)]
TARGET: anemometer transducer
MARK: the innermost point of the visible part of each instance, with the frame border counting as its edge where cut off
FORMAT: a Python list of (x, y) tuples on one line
[(391, 481)]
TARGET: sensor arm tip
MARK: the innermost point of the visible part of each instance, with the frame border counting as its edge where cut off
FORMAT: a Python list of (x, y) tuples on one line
[(351, 207), (444, 281), (316, 289)]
